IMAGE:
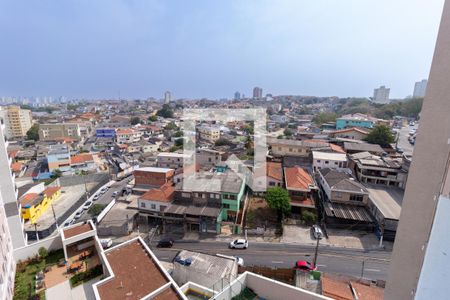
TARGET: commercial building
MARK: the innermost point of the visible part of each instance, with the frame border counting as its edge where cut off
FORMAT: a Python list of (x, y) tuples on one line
[(420, 262), (105, 132), (381, 94), (17, 121), (34, 204), (49, 132), (9, 193), (420, 89), (58, 158), (355, 120)]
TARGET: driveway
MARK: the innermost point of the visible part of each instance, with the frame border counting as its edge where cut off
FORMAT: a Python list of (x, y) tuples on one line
[(64, 291)]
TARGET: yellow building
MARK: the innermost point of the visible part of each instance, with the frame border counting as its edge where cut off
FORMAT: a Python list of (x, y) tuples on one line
[(34, 205), (17, 121)]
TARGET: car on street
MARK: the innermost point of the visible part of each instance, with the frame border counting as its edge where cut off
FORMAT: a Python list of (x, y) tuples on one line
[(68, 223), (239, 261), (115, 194), (399, 150), (87, 204), (316, 232), (184, 262), (96, 197), (304, 266), (104, 190), (106, 243), (412, 131), (165, 243), (239, 244), (78, 214)]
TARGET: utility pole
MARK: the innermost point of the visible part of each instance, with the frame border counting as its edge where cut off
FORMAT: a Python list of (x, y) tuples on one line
[(35, 230), (362, 268), (316, 252), (54, 216), (382, 234)]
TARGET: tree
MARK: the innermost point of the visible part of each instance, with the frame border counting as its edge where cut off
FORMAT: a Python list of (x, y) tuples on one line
[(309, 217), (33, 132), (171, 126), (96, 209), (56, 173), (165, 112), (153, 118), (178, 134), (278, 198), (222, 142), (179, 142), (287, 132), (381, 135), (135, 120), (324, 117), (43, 252)]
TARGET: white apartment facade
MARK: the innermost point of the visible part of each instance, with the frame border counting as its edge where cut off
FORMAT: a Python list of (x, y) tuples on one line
[(171, 160), (381, 94), (420, 89), (17, 121), (7, 263), (335, 161)]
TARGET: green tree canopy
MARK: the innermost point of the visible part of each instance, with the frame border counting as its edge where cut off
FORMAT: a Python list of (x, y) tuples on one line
[(223, 142), (153, 118), (278, 198), (171, 126), (324, 117), (381, 135), (33, 133), (135, 120), (165, 112)]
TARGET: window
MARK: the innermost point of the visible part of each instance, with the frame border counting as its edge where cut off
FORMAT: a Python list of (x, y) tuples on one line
[(143, 204), (271, 183), (290, 149), (217, 196), (338, 195), (326, 161), (336, 163), (153, 206), (358, 198), (318, 160), (225, 205), (186, 195)]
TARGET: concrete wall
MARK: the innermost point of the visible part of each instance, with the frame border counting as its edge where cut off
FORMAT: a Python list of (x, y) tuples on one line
[(428, 169), (51, 244)]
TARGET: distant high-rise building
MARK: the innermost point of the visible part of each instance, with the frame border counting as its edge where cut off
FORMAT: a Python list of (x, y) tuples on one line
[(167, 97), (381, 94), (420, 88), (237, 96), (257, 92), (17, 121)]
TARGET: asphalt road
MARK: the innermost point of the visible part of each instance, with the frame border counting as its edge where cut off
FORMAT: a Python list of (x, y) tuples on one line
[(403, 139), (106, 198), (333, 260)]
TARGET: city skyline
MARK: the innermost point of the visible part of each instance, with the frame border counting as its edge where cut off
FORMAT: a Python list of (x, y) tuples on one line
[(94, 50)]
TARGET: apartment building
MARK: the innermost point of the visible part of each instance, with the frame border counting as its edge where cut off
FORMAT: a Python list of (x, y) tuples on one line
[(355, 120), (128, 136), (321, 160), (209, 133), (9, 193), (208, 158), (282, 147), (49, 132), (17, 121), (7, 263)]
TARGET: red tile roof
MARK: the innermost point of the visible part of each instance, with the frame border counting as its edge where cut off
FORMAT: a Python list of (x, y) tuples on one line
[(50, 191), (337, 148), (13, 153), (28, 198), (297, 179), (275, 170), (367, 292), (81, 158), (336, 289), (162, 194), (76, 230), (349, 130), (16, 167), (125, 131)]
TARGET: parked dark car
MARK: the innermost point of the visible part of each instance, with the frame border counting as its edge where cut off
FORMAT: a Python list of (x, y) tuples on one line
[(165, 243)]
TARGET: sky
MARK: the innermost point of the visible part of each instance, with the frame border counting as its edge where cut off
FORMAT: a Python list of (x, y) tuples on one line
[(196, 49)]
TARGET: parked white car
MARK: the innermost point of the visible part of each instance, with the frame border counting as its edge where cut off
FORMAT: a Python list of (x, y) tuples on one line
[(239, 244), (115, 194), (96, 197), (87, 204), (106, 243), (317, 232), (78, 214)]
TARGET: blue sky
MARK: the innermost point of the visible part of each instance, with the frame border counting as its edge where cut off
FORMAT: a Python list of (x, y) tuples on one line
[(196, 49)]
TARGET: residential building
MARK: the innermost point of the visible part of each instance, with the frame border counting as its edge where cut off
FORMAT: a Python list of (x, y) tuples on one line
[(58, 158), (208, 158), (83, 161), (352, 148), (257, 93), (237, 96), (280, 119), (105, 132), (421, 247), (375, 169), (301, 188), (381, 94), (420, 88), (34, 204), (156, 200), (353, 133), (355, 120), (171, 160), (49, 132), (274, 174), (283, 147), (128, 136), (209, 133), (8, 265), (345, 200), (150, 177), (321, 160), (167, 97), (17, 121), (9, 193)]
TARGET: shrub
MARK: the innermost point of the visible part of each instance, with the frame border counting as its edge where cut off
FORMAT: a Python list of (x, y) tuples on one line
[(86, 276), (309, 217), (43, 253)]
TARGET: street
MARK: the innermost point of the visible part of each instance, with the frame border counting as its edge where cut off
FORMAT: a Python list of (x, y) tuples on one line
[(333, 260), (403, 139)]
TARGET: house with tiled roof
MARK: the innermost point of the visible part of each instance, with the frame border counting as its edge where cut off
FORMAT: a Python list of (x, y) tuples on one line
[(156, 200), (274, 174), (353, 133), (301, 188), (33, 205), (84, 161)]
